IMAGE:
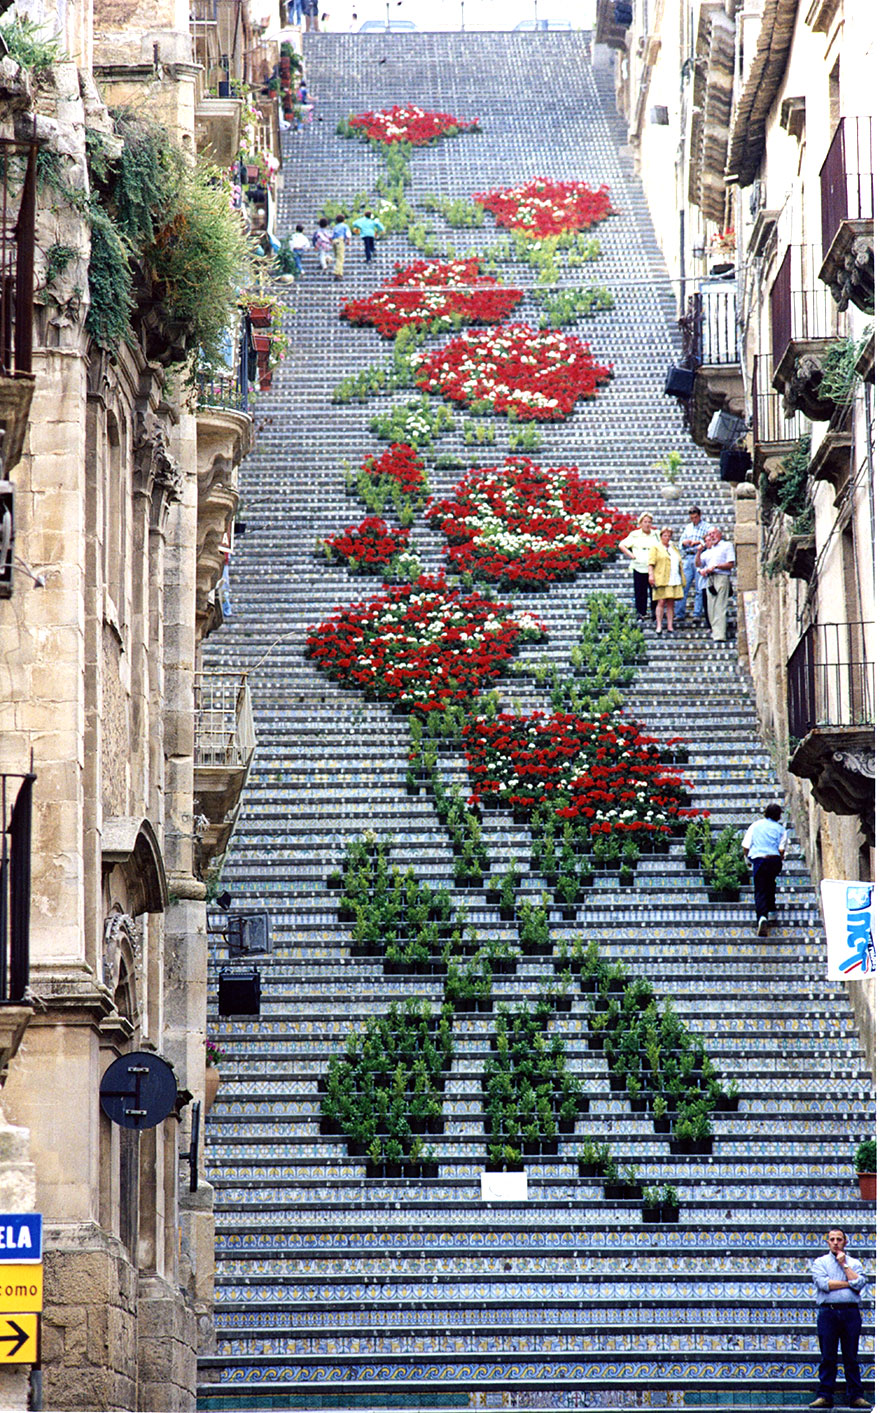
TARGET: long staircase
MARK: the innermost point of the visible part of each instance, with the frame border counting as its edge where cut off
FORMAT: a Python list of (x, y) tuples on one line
[(338, 1290)]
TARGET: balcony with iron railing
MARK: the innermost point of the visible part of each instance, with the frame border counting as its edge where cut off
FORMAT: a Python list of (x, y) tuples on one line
[(18, 191), (710, 346), (225, 741), (831, 715), (846, 182), (16, 807), (775, 431), (804, 322)]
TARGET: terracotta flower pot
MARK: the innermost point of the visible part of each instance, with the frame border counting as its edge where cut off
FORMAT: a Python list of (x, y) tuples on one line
[(212, 1084), (867, 1186)]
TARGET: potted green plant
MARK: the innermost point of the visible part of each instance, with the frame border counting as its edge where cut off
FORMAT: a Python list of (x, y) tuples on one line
[(652, 1205), (670, 467), (865, 1163), (592, 1159), (669, 1203)]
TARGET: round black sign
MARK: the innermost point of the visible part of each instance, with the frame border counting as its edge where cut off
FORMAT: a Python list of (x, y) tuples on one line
[(139, 1090)]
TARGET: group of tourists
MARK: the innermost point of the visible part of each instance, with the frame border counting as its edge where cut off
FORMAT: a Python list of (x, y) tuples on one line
[(702, 558), (331, 239)]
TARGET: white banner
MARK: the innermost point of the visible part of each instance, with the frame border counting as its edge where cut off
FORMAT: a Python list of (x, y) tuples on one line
[(848, 908)]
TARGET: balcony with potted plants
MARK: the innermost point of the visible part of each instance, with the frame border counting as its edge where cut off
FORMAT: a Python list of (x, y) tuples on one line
[(805, 322), (846, 182), (831, 717)]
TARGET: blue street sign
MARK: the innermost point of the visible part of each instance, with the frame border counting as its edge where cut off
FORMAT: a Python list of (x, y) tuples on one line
[(21, 1236)]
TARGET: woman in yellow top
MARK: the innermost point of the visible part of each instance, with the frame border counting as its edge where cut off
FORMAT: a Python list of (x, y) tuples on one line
[(637, 546), (665, 577)]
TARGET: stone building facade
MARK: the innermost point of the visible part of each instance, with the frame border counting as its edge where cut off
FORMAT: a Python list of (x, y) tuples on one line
[(122, 481), (761, 112)]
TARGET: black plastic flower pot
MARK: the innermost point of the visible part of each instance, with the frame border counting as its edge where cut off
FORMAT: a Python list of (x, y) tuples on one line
[(679, 381)]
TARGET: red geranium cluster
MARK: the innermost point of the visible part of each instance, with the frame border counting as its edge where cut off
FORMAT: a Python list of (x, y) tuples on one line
[(605, 772), (523, 525), (530, 374), (370, 545), (424, 645), (410, 124), (400, 465), (431, 290), (543, 208)]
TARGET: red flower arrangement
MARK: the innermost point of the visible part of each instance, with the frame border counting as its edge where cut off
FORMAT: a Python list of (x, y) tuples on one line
[(410, 124), (429, 291), (605, 773), (543, 208), (368, 546), (398, 466), (528, 374), (424, 645), (524, 526)]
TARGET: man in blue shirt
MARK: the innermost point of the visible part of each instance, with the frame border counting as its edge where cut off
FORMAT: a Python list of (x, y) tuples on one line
[(692, 539), (764, 844), (839, 1282), (369, 226)]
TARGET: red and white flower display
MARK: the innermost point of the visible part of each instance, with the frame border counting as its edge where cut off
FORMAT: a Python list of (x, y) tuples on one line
[(429, 291), (606, 773), (409, 123), (424, 645), (528, 374), (525, 526), (368, 547), (400, 467), (543, 208)]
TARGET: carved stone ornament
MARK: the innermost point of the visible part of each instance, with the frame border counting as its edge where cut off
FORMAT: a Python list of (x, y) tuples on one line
[(858, 762), (122, 944), (155, 468), (801, 389)]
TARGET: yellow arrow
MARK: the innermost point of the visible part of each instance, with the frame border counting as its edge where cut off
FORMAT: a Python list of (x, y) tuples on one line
[(19, 1339), (21, 1288)]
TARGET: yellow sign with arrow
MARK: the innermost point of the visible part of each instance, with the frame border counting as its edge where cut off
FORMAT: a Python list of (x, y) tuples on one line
[(19, 1339)]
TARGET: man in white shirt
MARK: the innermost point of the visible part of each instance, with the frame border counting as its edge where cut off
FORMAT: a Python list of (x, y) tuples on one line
[(839, 1282), (715, 565)]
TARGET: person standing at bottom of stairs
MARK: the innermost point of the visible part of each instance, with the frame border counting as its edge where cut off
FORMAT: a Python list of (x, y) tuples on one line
[(839, 1282), (764, 843)]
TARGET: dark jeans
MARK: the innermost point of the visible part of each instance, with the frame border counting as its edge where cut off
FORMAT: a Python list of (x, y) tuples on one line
[(369, 247), (640, 590), (839, 1325), (765, 872)]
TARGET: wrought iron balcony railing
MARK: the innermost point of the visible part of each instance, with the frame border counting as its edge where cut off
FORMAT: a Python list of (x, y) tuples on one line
[(771, 425), (229, 390), (224, 722), (831, 678), (802, 308), (709, 329), (847, 178), (16, 796)]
